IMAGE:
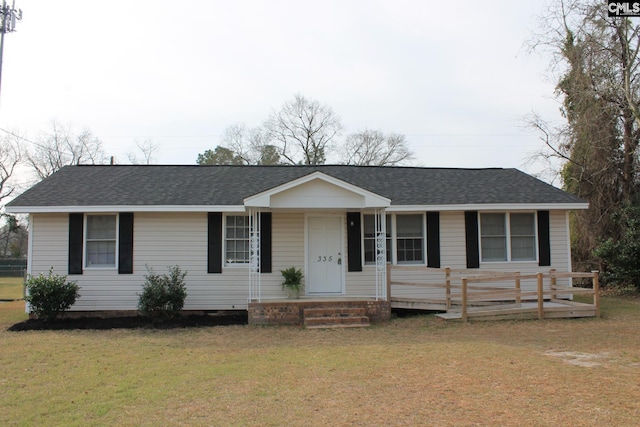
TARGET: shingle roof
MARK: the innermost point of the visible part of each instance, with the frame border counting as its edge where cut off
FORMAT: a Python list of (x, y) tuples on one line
[(229, 185)]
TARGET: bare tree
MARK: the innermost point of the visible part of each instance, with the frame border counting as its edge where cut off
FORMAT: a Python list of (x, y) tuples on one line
[(147, 149), (303, 131), (62, 147), (13, 238), (10, 158), (374, 148)]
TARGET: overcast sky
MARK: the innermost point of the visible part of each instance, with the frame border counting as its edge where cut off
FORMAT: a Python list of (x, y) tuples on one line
[(453, 77)]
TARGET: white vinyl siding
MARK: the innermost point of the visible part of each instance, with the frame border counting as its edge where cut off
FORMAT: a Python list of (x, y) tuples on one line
[(166, 239)]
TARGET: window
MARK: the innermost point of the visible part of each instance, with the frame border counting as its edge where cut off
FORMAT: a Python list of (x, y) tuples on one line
[(494, 237), (409, 239), (523, 237), (370, 239), (101, 241), (405, 237), (237, 239), (508, 237)]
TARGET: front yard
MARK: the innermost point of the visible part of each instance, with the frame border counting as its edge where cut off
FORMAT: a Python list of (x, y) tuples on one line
[(410, 371)]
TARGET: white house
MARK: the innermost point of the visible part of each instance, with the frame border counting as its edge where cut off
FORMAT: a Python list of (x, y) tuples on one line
[(232, 228)]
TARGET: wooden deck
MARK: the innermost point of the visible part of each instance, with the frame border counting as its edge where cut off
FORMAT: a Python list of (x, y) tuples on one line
[(495, 296)]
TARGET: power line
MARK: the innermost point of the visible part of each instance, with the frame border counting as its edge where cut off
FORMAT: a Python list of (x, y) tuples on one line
[(8, 132)]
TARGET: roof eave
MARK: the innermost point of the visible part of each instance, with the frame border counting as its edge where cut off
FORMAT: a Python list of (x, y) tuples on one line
[(489, 207), (124, 208)]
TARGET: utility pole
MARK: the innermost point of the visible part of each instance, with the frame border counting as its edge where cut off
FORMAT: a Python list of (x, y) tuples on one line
[(8, 18)]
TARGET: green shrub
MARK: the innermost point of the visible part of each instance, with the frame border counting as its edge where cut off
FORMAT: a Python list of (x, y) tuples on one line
[(163, 296), (48, 296), (620, 257)]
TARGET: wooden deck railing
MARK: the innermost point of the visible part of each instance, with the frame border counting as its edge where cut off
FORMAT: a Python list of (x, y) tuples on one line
[(471, 291)]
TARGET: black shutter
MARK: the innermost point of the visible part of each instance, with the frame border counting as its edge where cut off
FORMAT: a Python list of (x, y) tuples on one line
[(471, 233), (214, 244), (265, 242), (544, 241), (433, 239), (354, 241), (76, 225), (125, 242)]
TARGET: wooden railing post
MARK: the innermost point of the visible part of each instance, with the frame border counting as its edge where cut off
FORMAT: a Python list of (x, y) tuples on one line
[(518, 298), (540, 297), (464, 299), (596, 292), (447, 272), (552, 272)]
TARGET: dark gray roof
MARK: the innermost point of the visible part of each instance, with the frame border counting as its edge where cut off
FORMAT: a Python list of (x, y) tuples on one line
[(229, 185)]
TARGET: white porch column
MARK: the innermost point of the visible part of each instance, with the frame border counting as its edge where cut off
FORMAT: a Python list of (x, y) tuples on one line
[(381, 253), (255, 291)]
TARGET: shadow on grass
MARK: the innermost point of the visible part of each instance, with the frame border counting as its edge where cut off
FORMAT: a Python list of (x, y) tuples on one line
[(131, 322)]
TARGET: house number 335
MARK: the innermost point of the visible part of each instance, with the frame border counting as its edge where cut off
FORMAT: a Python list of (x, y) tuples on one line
[(325, 258)]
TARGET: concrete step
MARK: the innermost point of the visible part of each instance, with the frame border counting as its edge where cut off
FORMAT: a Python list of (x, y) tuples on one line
[(336, 322), (335, 312), (335, 317)]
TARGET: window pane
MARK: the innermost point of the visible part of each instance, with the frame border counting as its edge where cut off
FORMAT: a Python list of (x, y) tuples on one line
[(409, 250), (101, 253), (409, 225), (494, 249), (523, 248), (101, 227), (493, 237), (522, 224), (523, 239), (100, 245), (492, 224), (410, 238)]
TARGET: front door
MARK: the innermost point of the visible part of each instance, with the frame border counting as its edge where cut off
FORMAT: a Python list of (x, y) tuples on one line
[(324, 249)]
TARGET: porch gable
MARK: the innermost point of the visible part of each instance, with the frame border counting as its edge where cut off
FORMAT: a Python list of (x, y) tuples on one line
[(317, 190)]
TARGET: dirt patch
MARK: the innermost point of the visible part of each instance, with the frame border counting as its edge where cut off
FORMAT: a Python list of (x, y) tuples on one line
[(586, 360), (132, 322)]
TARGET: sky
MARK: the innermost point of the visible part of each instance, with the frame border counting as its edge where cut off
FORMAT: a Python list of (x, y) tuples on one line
[(454, 77)]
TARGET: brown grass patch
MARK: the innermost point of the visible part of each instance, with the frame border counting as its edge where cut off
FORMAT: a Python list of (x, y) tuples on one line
[(410, 371)]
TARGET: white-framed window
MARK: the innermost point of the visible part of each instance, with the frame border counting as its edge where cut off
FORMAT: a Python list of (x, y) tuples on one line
[(508, 236), (410, 239), (101, 241), (405, 238), (236, 239)]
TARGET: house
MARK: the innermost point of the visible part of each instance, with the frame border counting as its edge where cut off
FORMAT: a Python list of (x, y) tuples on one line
[(233, 228)]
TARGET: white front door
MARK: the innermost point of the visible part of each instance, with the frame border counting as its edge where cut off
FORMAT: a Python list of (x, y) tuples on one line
[(324, 251)]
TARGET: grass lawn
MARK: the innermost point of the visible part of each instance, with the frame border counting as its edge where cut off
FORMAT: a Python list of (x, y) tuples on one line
[(410, 371), (11, 288)]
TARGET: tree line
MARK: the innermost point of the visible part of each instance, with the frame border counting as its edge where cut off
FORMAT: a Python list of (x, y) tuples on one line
[(304, 132)]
